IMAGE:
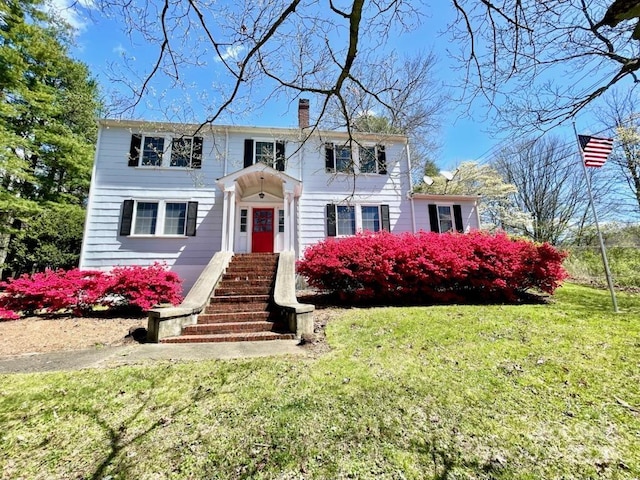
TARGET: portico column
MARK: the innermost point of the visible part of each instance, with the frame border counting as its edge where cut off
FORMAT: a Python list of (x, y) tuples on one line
[(291, 223), (232, 219), (225, 208), (287, 213)]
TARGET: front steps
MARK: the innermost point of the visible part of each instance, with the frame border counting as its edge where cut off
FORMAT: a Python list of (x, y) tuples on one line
[(240, 307)]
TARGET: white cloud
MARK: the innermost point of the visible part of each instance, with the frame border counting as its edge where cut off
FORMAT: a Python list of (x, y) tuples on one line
[(71, 11), (231, 52), (119, 50)]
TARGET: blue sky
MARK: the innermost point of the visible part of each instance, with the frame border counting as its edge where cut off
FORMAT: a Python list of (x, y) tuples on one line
[(101, 43)]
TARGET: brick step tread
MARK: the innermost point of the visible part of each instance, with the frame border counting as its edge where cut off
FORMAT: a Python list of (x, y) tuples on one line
[(250, 270), (216, 300), (235, 309), (232, 316), (259, 282), (249, 274), (249, 287), (233, 327), (230, 337), (241, 291), (253, 261)]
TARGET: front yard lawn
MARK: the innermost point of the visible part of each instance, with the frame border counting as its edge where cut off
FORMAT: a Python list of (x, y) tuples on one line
[(504, 392)]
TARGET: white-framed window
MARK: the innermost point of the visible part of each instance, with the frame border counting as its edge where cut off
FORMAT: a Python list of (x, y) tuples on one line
[(372, 159), (152, 151), (280, 221), (344, 163), (175, 216), (445, 218), (267, 151), (243, 220), (145, 218), (338, 158), (345, 220), (368, 160), (168, 218), (181, 152), (341, 159), (165, 151), (371, 218)]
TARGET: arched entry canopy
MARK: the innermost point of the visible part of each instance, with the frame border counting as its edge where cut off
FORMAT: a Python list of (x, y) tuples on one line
[(259, 189)]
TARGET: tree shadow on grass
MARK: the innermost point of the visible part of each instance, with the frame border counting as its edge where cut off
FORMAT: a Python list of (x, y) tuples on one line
[(118, 434)]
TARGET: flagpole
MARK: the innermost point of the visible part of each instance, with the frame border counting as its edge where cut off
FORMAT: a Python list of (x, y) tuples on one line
[(603, 252)]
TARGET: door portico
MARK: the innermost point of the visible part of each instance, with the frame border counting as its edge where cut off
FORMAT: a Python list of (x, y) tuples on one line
[(247, 195)]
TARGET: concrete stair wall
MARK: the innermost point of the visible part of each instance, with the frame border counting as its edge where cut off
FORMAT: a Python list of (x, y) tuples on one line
[(240, 308)]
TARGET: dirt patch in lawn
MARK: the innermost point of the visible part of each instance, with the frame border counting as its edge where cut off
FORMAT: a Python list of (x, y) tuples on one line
[(46, 334), (55, 334)]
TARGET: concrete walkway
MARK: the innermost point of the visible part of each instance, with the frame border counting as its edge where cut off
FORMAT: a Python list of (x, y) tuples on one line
[(136, 354)]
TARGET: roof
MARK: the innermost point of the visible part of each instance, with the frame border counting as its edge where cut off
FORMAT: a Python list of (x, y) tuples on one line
[(444, 197), (144, 125)]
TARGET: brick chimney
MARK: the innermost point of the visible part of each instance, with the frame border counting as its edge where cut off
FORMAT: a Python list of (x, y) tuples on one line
[(303, 113)]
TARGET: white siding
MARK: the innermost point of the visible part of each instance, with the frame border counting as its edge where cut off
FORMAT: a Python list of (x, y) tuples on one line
[(114, 181), (468, 210), (322, 188), (223, 153)]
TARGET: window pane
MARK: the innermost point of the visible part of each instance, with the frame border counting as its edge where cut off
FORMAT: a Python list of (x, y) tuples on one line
[(146, 217), (174, 218), (181, 152), (343, 159), (346, 222), (265, 153), (280, 221), (152, 151), (243, 220), (368, 159), (371, 219), (445, 219)]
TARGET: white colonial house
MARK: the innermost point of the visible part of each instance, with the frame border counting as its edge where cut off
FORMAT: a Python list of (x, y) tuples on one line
[(179, 194)]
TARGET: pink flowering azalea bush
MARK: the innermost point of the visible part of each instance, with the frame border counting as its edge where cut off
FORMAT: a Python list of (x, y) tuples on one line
[(79, 291), (432, 267)]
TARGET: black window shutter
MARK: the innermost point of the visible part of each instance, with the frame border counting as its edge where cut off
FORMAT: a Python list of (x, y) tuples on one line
[(433, 218), (248, 152), (192, 216), (280, 156), (196, 155), (457, 218), (331, 220), (384, 211), (329, 159), (127, 217), (382, 160), (134, 149)]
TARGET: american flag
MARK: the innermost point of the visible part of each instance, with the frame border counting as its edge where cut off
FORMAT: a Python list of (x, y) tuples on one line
[(595, 150)]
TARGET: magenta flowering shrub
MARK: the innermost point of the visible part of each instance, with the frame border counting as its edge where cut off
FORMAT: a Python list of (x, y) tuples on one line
[(80, 290), (427, 267), (145, 287)]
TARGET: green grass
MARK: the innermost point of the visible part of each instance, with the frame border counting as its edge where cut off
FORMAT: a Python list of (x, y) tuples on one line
[(444, 392), (584, 264)]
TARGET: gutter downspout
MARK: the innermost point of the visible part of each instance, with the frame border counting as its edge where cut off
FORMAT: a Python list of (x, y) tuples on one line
[(226, 149)]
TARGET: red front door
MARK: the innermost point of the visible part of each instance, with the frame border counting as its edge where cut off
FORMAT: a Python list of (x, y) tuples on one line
[(262, 232)]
